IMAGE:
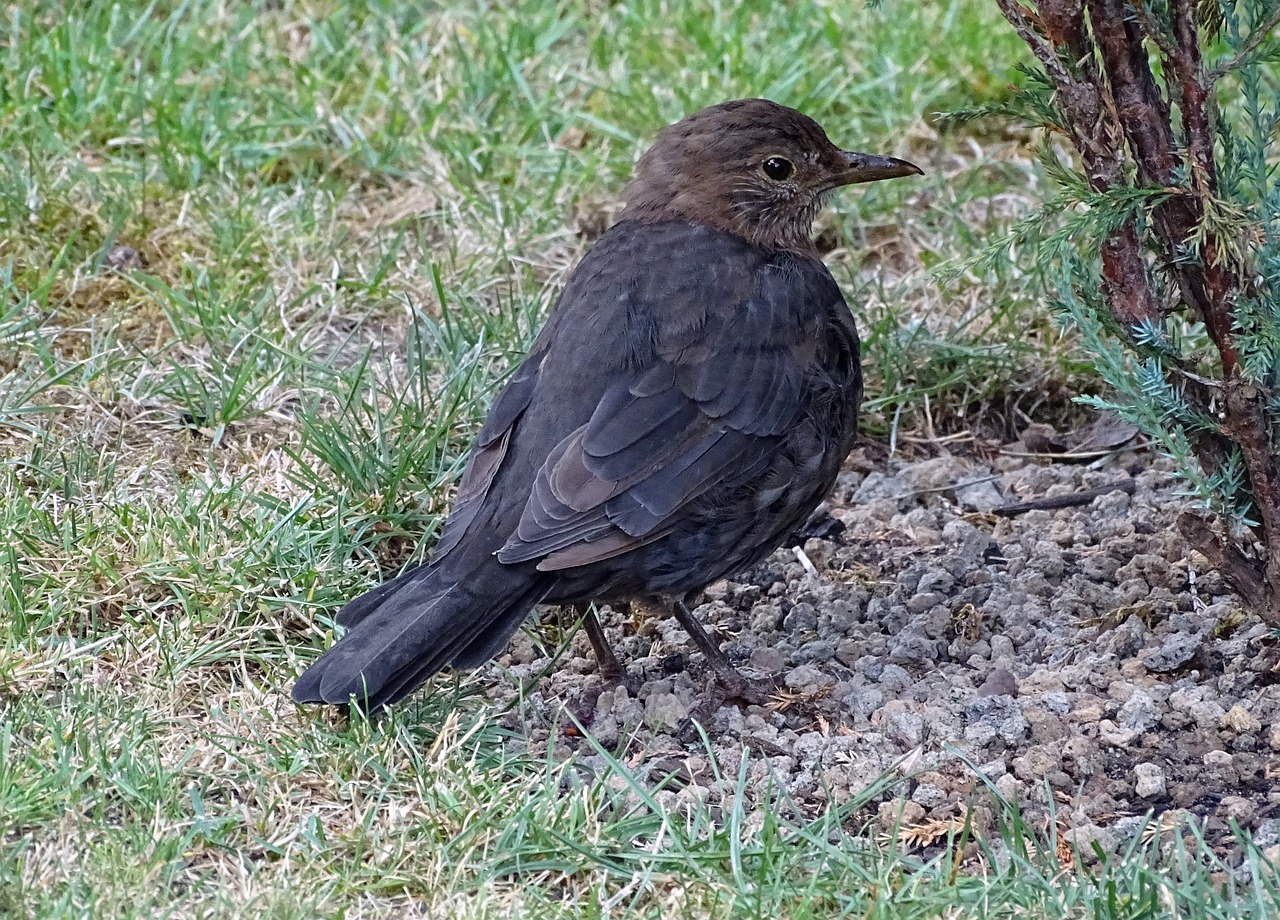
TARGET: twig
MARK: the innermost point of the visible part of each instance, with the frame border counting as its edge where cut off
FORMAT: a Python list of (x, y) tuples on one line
[(1259, 35), (1077, 454), (1074, 500), (947, 488), (1017, 16), (1153, 30)]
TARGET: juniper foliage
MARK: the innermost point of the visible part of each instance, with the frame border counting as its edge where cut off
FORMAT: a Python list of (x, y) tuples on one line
[(1161, 242)]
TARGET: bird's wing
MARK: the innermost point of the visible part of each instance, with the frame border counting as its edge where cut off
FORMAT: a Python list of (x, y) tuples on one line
[(709, 409), (489, 450)]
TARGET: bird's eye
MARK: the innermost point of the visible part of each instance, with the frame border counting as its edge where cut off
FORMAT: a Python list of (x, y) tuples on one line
[(778, 168)]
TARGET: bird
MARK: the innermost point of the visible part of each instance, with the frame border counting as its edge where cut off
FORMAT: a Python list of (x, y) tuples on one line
[(687, 404)]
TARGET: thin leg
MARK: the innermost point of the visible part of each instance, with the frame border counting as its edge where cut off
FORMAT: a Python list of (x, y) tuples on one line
[(610, 668), (730, 679)]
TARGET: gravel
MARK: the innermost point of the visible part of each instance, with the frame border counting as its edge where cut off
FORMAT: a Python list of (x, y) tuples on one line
[(1084, 655)]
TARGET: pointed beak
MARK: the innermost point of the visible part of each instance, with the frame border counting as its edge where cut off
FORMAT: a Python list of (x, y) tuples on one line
[(867, 167)]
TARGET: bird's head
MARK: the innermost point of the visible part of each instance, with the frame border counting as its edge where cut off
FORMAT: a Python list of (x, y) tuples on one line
[(752, 167)]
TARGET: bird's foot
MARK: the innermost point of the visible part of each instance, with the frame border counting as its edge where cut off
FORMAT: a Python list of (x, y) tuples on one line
[(586, 708), (725, 686), (612, 673), (736, 687), (611, 679)]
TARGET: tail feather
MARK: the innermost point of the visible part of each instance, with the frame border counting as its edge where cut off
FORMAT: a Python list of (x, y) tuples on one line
[(422, 624), (360, 607)]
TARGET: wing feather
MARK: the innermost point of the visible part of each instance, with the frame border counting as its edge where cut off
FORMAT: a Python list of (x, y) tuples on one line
[(714, 405)]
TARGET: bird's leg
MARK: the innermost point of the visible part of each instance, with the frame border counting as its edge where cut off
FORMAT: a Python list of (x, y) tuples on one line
[(611, 669), (730, 679)]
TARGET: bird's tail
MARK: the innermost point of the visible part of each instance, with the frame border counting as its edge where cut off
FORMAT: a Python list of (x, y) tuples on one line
[(404, 631)]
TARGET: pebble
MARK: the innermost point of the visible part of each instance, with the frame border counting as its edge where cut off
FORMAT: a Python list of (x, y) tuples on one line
[(1116, 735), (999, 682), (1207, 714), (1001, 647), (1176, 651), (1139, 713), (905, 727), (664, 711), (1240, 720), (1082, 839), (808, 679), (1150, 780), (992, 717)]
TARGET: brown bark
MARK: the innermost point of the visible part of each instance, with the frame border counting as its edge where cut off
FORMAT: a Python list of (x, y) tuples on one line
[(1238, 569)]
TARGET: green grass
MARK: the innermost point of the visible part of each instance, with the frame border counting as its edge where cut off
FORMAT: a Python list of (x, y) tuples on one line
[(349, 220)]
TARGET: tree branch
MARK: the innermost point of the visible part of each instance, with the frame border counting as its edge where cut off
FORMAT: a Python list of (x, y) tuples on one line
[(1256, 38)]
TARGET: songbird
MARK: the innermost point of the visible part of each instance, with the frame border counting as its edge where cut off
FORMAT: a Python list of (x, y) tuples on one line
[(688, 403)]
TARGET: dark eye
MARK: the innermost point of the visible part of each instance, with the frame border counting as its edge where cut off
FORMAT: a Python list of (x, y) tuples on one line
[(778, 168)]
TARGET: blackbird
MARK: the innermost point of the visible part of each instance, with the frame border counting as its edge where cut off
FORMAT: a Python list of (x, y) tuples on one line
[(687, 405)]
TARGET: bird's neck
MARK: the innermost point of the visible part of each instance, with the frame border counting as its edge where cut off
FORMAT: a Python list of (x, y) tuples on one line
[(779, 234)]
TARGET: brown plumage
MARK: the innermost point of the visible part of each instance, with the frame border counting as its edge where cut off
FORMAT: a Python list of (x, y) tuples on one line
[(687, 405)]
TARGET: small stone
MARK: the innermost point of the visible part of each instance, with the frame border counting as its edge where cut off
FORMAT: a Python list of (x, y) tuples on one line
[(938, 581), (1183, 699), (122, 259), (1082, 840), (1009, 787), (1001, 647), (1217, 759), (929, 796), (1267, 832), (1207, 714), (898, 814), (717, 590), (1241, 721), (999, 683), (913, 647), (906, 728), (808, 679), (801, 618), (1057, 703), (1080, 756), (1177, 651), (1139, 713), (981, 495), (1274, 740), (1121, 690), (935, 475), (1042, 680), (919, 603), (1237, 808), (894, 677), (993, 769), (971, 543), (1114, 735), (1088, 712), (1150, 780), (767, 658), (815, 652), (995, 716), (1039, 761), (664, 712)]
